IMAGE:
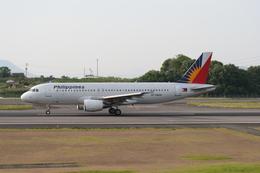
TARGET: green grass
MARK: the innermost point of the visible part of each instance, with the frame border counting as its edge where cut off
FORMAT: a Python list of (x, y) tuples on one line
[(230, 168), (11, 98), (252, 105), (256, 128), (207, 98), (126, 171), (205, 157), (92, 139), (15, 107), (192, 163), (102, 129)]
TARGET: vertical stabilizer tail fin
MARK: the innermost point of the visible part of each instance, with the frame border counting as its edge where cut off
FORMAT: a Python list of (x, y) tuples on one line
[(198, 72)]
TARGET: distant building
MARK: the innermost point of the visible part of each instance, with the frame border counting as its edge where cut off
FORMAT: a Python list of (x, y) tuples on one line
[(17, 75), (11, 81)]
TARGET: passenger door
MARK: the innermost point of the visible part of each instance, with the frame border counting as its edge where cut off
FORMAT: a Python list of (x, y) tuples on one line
[(48, 92)]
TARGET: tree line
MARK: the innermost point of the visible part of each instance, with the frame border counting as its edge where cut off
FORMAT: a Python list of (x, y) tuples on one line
[(230, 79)]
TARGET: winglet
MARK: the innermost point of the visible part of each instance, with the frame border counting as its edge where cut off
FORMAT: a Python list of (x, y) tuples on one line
[(198, 72)]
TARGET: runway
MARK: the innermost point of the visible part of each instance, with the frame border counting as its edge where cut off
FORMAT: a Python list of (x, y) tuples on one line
[(173, 114)]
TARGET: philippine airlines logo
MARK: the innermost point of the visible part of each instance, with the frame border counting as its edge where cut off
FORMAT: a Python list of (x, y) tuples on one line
[(67, 87), (198, 72)]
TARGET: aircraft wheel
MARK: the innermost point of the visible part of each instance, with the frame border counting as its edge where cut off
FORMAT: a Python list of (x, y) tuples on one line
[(112, 111), (48, 112), (118, 112)]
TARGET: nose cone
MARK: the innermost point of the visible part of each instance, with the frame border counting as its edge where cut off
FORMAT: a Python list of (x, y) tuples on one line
[(25, 97)]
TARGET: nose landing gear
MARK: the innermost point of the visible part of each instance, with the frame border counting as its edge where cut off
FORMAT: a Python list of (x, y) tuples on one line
[(48, 112)]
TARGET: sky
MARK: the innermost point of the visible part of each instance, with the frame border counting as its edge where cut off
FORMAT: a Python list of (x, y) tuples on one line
[(125, 38)]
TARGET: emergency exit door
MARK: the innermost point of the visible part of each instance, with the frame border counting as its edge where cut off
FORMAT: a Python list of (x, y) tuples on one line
[(177, 90)]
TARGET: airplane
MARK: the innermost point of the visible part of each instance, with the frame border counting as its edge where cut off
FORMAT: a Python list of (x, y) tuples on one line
[(92, 97)]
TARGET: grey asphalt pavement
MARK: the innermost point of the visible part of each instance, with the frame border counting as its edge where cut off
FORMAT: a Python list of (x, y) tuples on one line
[(172, 114)]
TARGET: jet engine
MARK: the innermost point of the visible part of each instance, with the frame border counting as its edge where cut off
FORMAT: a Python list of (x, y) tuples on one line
[(91, 105)]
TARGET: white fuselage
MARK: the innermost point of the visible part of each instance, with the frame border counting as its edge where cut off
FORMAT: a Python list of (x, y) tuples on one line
[(76, 93)]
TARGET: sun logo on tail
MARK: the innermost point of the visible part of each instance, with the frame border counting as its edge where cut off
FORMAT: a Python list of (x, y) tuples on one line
[(198, 71)]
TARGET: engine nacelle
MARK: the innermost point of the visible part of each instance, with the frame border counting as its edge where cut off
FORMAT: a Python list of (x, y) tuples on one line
[(93, 105)]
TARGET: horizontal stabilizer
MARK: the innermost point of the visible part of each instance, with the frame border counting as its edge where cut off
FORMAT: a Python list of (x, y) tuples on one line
[(204, 87)]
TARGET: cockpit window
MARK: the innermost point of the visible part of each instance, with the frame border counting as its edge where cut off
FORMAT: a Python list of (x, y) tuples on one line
[(34, 90)]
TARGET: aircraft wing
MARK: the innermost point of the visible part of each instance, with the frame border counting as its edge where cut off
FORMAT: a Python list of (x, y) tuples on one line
[(124, 96), (120, 98)]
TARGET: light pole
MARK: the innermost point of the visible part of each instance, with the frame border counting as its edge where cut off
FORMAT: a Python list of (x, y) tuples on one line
[(26, 68), (97, 68)]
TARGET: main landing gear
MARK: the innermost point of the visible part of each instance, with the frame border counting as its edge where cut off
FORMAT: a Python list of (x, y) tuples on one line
[(114, 111), (48, 112)]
